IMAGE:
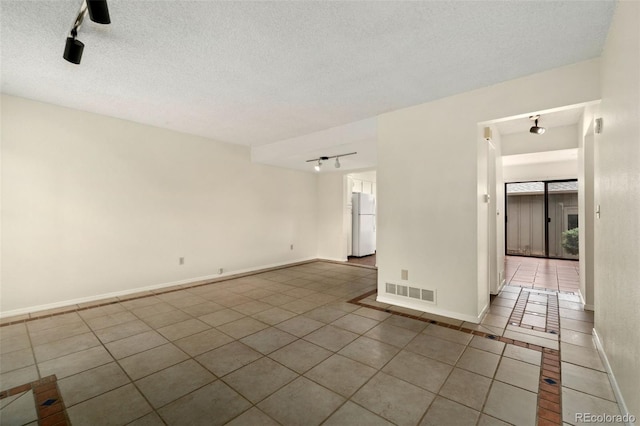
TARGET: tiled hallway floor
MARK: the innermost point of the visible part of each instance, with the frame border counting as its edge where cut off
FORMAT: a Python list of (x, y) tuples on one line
[(543, 274), (285, 347)]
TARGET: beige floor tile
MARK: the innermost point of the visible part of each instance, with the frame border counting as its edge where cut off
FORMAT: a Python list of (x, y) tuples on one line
[(66, 346), (21, 410), (395, 400), (202, 342), (302, 403), (391, 334), (495, 320), (242, 327), (252, 307), (577, 338), (53, 322), (438, 349), (369, 351), (578, 355), (300, 306), (259, 379), (588, 381), (18, 377), (511, 404), (500, 311), (14, 343), (523, 354), (121, 331), (408, 323), (325, 314), (579, 315), (253, 417), (115, 407), (171, 383), (151, 310), (574, 402), (300, 355), (274, 316), (201, 309), (133, 344), (478, 361), (486, 420), (353, 414), (538, 308), (101, 311), (166, 318), (10, 331), (221, 317), (300, 326), (110, 320), (467, 388), (148, 362), (151, 419), (368, 312), (449, 334), (228, 358), (49, 335), (268, 340), (518, 373), (330, 337), (418, 370), (534, 320), (575, 325), (534, 333), (16, 360), (487, 344), (342, 375), (535, 340), (183, 329), (444, 412), (75, 363), (213, 404), (91, 383)]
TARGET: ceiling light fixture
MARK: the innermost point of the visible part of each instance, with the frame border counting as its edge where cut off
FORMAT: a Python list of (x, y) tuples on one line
[(325, 158), (535, 128), (99, 13)]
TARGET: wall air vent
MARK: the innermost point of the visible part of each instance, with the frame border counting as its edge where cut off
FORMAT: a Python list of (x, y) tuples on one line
[(412, 292)]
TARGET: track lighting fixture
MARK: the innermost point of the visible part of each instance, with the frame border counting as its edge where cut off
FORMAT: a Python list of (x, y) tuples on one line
[(337, 164), (99, 13), (535, 128)]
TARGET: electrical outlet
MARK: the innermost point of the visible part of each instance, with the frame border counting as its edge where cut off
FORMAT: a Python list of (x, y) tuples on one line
[(404, 274), (181, 261)]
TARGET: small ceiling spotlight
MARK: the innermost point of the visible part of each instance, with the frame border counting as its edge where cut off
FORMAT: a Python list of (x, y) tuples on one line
[(337, 164), (535, 128), (98, 12)]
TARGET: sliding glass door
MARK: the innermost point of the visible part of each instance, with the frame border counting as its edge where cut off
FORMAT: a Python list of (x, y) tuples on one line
[(542, 219)]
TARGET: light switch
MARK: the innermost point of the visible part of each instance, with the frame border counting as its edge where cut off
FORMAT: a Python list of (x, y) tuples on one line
[(404, 274)]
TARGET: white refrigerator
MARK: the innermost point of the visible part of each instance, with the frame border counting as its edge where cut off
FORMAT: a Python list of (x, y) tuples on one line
[(364, 224)]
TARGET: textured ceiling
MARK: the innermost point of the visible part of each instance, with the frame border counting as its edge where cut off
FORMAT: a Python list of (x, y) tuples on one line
[(259, 72)]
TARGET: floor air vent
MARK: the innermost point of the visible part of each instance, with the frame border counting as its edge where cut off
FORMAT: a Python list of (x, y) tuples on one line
[(412, 292)]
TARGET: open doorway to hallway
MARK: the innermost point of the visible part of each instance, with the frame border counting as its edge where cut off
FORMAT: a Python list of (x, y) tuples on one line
[(361, 217)]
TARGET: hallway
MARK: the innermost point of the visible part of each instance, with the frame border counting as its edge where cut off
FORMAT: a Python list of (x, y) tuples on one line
[(543, 274)]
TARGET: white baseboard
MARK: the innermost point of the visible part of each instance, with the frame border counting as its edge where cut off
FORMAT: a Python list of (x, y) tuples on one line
[(429, 308), (193, 280), (612, 378)]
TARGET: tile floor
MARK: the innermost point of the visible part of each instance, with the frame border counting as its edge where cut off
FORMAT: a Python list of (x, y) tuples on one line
[(544, 274), (284, 347)]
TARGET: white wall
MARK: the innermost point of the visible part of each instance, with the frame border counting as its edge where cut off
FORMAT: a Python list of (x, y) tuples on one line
[(430, 199), (617, 191), (586, 206), (556, 138), (548, 170), (332, 232), (93, 205), (498, 256)]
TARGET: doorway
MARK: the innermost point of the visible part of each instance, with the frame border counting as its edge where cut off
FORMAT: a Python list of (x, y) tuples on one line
[(541, 219)]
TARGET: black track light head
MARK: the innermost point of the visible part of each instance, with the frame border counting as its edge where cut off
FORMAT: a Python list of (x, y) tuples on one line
[(535, 128), (98, 11), (73, 50)]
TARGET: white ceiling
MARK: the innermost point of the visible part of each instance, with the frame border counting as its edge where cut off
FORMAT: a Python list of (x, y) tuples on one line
[(256, 73)]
